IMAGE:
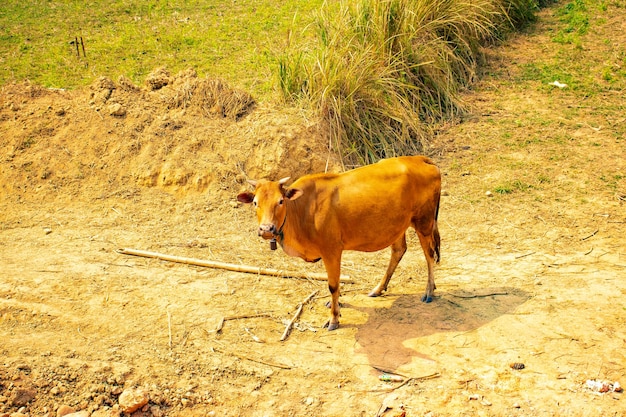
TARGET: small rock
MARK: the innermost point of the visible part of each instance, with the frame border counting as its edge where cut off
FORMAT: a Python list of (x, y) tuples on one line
[(156, 411), (132, 400), (116, 109), (558, 84), (83, 413), (47, 230), (158, 79), (21, 397), (489, 194), (64, 410), (516, 405)]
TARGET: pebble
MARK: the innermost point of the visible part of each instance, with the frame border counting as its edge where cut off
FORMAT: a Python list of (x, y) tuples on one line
[(132, 400), (116, 109), (64, 410), (83, 413)]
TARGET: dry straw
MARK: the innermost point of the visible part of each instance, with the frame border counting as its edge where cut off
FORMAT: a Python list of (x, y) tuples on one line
[(381, 74)]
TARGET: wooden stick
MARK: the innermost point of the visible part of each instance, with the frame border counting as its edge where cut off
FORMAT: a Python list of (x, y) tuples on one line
[(591, 235), (412, 379), (169, 327), (230, 267), (242, 316), (296, 315)]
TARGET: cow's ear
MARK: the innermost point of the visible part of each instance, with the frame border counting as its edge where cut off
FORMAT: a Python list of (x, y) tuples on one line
[(245, 198), (293, 193)]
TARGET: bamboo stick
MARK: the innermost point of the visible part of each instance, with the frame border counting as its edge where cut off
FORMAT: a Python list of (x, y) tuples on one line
[(230, 267), (296, 315)]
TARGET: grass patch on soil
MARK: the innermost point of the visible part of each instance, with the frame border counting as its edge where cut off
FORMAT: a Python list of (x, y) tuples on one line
[(234, 41), (576, 42)]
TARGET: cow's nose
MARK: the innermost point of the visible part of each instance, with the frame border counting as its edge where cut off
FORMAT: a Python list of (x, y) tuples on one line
[(266, 228)]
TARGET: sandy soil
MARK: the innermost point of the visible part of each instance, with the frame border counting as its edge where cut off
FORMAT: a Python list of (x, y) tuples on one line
[(531, 274)]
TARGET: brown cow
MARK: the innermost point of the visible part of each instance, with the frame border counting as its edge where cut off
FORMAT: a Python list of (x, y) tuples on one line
[(366, 209)]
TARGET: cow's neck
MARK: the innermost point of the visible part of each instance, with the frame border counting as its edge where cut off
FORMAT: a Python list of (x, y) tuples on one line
[(292, 233)]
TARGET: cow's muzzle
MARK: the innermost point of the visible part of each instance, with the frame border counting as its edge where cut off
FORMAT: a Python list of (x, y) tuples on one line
[(267, 231)]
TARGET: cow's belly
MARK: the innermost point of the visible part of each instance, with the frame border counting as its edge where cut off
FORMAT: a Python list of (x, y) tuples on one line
[(370, 238)]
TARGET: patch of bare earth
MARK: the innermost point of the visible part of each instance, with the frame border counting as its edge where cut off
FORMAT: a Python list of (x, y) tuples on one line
[(531, 274)]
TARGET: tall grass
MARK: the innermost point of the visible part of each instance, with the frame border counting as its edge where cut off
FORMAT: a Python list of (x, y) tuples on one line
[(383, 72)]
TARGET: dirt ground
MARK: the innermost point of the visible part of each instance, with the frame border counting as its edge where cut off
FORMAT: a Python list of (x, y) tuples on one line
[(533, 226)]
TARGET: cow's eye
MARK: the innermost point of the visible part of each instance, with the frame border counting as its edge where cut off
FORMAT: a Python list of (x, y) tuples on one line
[(280, 202), (254, 202)]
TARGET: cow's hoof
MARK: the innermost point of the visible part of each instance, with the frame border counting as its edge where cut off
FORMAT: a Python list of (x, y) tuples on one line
[(328, 305), (333, 326), (427, 299), (374, 294)]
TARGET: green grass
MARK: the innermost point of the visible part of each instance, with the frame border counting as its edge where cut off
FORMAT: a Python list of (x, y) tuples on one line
[(575, 15), (513, 186), (575, 62), (233, 40)]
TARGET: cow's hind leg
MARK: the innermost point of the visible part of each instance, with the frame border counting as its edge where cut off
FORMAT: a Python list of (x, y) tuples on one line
[(398, 248), (430, 246)]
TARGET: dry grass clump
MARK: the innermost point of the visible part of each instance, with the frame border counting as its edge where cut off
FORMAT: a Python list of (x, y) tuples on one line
[(218, 98), (381, 73), (213, 96)]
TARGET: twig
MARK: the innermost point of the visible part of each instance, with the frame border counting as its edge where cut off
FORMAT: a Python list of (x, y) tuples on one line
[(229, 267), (169, 327), (296, 315), (591, 235), (240, 356), (525, 255), (242, 316), (253, 336), (417, 379), (479, 295), (387, 371), (83, 45)]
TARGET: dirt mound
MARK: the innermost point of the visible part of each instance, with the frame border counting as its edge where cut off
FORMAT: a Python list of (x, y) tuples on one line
[(179, 132)]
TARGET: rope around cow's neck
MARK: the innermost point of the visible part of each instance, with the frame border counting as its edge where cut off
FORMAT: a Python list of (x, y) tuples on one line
[(280, 234)]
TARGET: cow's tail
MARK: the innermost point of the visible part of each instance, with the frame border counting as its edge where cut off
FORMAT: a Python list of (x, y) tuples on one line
[(436, 232)]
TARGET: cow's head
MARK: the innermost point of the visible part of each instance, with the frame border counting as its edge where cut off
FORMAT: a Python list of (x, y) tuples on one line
[(269, 198)]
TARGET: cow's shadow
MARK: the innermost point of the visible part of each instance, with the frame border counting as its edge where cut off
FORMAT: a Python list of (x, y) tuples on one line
[(382, 337)]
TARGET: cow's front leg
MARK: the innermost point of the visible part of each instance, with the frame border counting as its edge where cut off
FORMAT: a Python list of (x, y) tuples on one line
[(333, 269)]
